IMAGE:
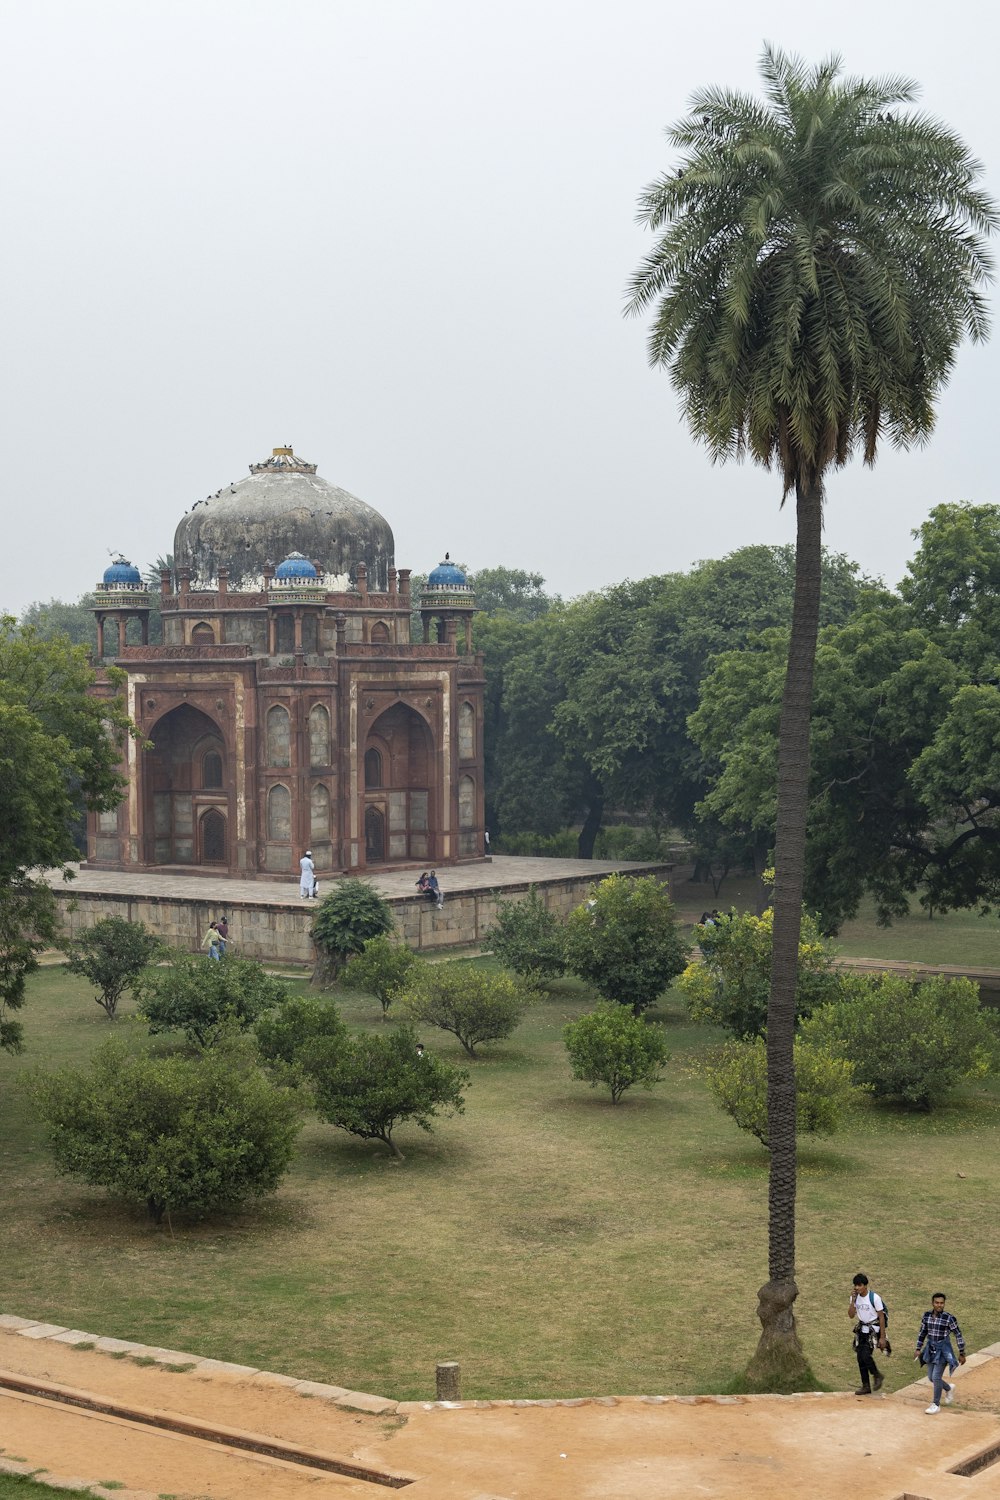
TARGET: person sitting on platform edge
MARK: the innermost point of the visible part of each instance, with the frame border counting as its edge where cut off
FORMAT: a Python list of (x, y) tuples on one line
[(869, 1310), (434, 891)]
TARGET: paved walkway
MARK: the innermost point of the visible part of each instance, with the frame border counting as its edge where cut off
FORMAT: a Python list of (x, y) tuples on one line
[(501, 871)]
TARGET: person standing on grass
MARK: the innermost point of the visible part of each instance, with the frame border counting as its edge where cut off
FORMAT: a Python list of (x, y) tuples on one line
[(934, 1349), (213, 942), (868, 1309)]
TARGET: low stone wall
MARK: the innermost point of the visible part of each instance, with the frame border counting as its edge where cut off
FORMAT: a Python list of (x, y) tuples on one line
[(279, 933)]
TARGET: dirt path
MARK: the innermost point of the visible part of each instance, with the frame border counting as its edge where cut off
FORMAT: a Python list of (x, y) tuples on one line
[(631, 1448)]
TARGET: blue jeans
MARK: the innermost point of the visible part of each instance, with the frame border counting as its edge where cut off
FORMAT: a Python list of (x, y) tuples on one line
[(940, 1357)]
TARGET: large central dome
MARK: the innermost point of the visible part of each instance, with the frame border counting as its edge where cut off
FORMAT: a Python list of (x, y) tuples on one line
[(283, 507)]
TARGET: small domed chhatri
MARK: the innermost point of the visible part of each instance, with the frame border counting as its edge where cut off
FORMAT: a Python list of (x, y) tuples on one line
[(288, 706), (122, 574)]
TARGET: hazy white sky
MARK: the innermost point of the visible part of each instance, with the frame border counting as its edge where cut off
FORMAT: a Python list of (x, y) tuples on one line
[(396, 233)]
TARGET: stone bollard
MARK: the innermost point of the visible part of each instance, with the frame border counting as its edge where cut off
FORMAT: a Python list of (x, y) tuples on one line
[(449, 1380)]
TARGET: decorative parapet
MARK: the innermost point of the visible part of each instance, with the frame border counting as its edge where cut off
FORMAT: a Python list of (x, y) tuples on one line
[(211, 651), (121, 596)]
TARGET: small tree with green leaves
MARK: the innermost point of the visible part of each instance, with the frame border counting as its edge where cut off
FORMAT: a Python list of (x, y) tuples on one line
[(909, 1042), (613, 1047), (369, 1084), (29, 922), (176, 1134), (527, 938), (202, 998), (824, 1086), (383, 968), (112, 954), (347, 918), (472, 1003), (285, 1034), (729, 984), (625, 940)]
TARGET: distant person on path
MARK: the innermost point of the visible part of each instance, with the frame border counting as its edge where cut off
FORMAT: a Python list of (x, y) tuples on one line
[(213, 942), (222, 928), (868, 1309), (307, 875), (934, 1349), (434, 891)]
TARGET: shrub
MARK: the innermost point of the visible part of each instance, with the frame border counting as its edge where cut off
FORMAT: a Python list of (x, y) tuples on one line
[(730, 983), (285, 1033), (202, 998), (175, 1134), (352, 913), (382, 968), (470, 1002), (112, 954), (369, 1084), (614, 1047), (908, 1041), (824, 1087), (527, 938), (625, 940)]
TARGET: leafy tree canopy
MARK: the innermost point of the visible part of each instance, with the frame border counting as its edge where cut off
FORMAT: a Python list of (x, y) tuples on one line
[(204, 999), (824, 1087), (473, 1003), (611, 1046), (527, 938), (352, 913), (625, 940), (112, 954), (383, 968)]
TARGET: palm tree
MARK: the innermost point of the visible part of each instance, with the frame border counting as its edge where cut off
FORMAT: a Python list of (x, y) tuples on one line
[(821, 254)]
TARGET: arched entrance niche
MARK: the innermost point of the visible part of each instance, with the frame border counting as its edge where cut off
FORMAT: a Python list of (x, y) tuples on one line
[(187, 782), (398, 786)]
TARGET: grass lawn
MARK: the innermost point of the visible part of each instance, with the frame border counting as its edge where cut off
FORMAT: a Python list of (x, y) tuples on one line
[(555, 1245), (14, 1488)]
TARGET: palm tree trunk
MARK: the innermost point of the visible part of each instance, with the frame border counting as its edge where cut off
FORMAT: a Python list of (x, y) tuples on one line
[(779, 1362)]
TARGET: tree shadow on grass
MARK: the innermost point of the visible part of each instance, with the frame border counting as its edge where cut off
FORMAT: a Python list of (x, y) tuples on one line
[(751, 1161), (596, 1102), (331, 1149)]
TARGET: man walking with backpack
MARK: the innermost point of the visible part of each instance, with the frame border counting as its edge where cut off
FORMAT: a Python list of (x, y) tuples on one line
[(869, 1310)]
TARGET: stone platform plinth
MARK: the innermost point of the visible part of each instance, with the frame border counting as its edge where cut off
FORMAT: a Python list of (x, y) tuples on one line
[(270, 921)]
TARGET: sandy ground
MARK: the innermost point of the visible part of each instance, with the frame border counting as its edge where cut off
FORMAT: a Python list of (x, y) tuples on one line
[(629, 1449)]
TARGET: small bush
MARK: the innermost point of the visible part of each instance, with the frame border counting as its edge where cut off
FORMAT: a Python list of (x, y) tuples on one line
[(911, 1042), (383, 968), (176, 1134), (352, 913), (824, 1087), (625, 940), (203, 998), (369, 1084), (729, 984), (471, 1003), (527, 938), (285, 1033), (112, 954), (614, 1047)]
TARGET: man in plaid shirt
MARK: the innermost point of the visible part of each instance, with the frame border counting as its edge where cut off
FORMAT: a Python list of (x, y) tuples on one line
[(936, 1329)]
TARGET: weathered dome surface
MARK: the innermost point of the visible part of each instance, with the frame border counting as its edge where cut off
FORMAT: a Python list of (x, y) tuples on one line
[(282, 507), (295, 566), (446, 573), (122, 571)]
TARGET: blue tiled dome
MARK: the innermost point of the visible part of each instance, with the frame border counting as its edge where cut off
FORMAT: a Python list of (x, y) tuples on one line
[(295, 566), (446, 575), (122, 571)]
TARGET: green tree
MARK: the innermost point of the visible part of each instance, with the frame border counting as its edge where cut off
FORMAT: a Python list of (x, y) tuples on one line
[(285, 1034), (112, 954), (910, 1042), (625, 940), (369, 1084), (205, 999), (728, 984), (952, 584), (611, 1046), (512, 592), (54, 617), (352, 913), (59, 754), (824, 1087), (527, 938), (174, 1134), (383, 968), (820, 256), (474, 1004)]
